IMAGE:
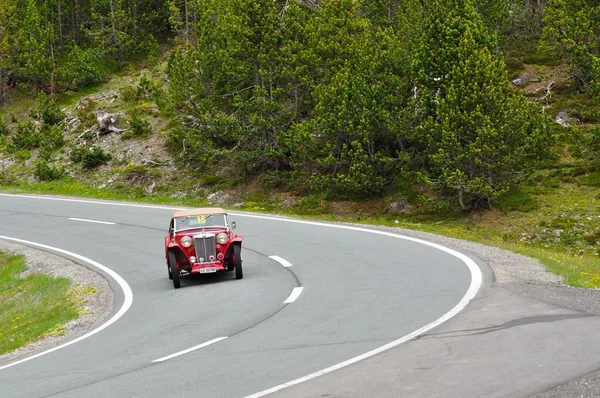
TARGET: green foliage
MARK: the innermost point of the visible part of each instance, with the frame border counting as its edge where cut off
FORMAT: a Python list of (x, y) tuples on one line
[(82, 67), (48, 111), (26, 136), (89, 158), (572, 29), (22, 155), (479, 139), (3, 127), (95, 157), (44, 172), (138, 127), (52, 137), (586, 146)]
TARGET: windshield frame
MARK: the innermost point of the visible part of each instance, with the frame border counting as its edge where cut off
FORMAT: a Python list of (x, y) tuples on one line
[(181, 219)]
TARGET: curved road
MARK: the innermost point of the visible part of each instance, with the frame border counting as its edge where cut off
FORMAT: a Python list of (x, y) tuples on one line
[(360, 291)]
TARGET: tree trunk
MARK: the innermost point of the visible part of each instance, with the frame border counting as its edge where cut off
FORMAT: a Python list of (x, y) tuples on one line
[(60, 32), (187, 23), (461, 200)]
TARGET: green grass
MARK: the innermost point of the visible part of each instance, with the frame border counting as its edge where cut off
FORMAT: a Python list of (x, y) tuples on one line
[(32, 308)]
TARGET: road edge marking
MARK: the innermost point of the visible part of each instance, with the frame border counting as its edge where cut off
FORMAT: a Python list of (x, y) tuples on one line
[(122, 284), (295, 294), (92, 221), (474, 286), (188, 350), (476, 280), (281, 261)]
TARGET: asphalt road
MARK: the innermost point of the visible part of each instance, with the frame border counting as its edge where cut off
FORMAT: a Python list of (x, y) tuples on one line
[(360, 292)]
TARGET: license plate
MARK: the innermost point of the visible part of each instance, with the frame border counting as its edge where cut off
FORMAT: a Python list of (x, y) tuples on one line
[(207, 270)]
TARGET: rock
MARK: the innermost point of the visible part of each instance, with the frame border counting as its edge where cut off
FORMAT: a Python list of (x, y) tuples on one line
[(520, 81), (150, 188), (4, 163), (238, 205), (397, 206), (218, 198), (563, 119)]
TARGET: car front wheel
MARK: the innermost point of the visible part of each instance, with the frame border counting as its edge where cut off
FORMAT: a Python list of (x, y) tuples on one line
[(173, 271), (237, 261)]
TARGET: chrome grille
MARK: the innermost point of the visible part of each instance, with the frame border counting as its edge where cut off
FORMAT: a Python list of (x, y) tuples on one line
[(205, 246)]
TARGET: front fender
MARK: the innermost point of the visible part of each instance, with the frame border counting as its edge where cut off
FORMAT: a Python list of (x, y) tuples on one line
[(180, 255), (236, 240)]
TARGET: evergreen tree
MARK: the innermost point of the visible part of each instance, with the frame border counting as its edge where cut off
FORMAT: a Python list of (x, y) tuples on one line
[(572, 28), (8, 27), (479, 139)]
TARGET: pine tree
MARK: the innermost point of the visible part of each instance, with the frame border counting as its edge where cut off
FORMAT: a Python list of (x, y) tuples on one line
[(8, 29), (479, 139), (572, 28)]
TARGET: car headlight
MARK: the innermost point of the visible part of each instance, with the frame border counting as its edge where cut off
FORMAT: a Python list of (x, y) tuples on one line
[(186, 241), (222, 238)]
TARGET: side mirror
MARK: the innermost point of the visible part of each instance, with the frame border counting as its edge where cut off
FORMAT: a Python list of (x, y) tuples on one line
[(233, 225)]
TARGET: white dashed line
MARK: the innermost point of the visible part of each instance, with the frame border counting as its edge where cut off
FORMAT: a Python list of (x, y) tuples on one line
[(295, 293), (93, 221), (281, 261), (190, 349)]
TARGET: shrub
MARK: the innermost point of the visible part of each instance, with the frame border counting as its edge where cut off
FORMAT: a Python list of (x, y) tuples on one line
[(95, 157), (45, 172), (89, 158), (3, 127), (23, 155), (27, 136), (139, 127), (76, 155), (48, 111), (52, 137)]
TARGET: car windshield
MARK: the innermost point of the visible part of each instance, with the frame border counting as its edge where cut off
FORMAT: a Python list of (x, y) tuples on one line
[(200, 221)]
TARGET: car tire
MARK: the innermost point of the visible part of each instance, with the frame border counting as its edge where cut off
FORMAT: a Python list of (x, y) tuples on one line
[(237, 261), (173, 270)]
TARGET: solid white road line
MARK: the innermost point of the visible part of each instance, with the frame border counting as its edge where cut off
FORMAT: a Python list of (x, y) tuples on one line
[(122, 283), (93, 221), (190, 349), (476, 279), (295, 294), (281, 261)]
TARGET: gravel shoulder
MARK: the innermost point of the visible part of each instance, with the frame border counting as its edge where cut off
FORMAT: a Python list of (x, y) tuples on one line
[(99, 305)]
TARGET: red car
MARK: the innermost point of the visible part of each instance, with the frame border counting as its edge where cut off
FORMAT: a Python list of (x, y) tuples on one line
[(201, 241)]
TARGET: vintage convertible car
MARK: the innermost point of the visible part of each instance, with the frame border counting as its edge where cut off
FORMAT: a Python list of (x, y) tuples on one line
[(202, 241)]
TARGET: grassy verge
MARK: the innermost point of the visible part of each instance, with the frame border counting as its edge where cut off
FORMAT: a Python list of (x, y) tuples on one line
[(34, 307), (528, 227)]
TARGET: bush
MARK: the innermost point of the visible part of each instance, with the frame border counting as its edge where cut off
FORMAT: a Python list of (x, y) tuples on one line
[(95, 157), (48, 111), (90, 158), (45, 172), (139, 127), (52, 137), (26, 136), (76, 155), (3, 127), (23, 155)]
